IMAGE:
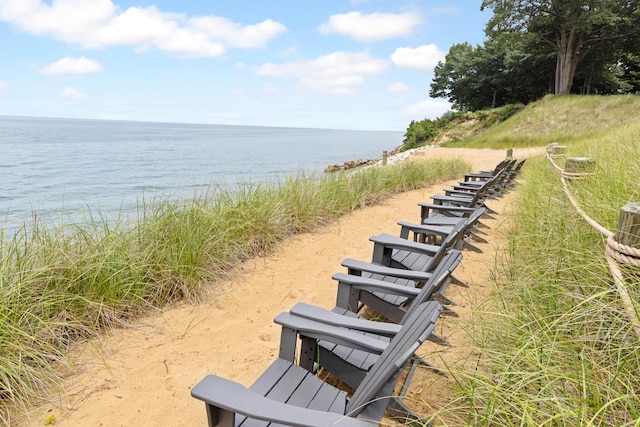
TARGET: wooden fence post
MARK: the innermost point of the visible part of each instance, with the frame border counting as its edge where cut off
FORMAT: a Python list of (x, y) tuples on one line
[(558, 150), (579, 167), (385, 155), (628, 232)]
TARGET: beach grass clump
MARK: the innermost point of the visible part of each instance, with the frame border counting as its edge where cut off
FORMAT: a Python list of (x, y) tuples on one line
[(556, 341), (61, 285)]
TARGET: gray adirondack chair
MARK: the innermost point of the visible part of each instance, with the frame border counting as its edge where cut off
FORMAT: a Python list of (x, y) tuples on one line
[(448, 210), (486, 174), (497, 189), (396, 252), (435, 234), (392, 304), (473, 199), (351, 365), (289, 394), (414, 255), (381, 269), (513, 174)]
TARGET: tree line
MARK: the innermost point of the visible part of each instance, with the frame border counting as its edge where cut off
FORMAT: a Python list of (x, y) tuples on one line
[(538, 47)]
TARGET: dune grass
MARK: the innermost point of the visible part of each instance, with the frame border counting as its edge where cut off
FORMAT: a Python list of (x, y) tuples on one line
[(62, 285), (566, 119), (556, 345)]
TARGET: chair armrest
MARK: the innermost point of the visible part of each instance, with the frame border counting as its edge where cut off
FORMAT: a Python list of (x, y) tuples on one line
[(230, 396), (374, 285), (360, 266), (429, 230), (461, 192), (473, 185), (321, 331), (326, 316), (395, 242), (460, 209), (456, 201), (463, 198), (481, 176)]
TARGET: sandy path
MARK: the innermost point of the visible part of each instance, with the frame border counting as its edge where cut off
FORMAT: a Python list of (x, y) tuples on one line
[(144, 375)]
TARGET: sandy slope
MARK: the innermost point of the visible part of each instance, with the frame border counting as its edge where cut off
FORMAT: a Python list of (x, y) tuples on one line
[(143, 375)]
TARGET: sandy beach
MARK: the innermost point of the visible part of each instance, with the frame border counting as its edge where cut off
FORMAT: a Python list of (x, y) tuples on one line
[(143, 375)]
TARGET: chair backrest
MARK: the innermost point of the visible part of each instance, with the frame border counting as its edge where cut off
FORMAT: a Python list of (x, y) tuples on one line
[(474, 217), (395, 357), (386, 251), (483, 190), (438, 276), (518, 167), (506, 171), (501, 165), (455, 235)]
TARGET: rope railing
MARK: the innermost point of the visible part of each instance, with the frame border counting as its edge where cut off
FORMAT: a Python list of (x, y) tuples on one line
[(614, 252)]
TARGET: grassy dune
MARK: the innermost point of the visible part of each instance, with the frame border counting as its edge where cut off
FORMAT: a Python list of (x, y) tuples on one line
[(565, 119), (58, 286), (557, 346)]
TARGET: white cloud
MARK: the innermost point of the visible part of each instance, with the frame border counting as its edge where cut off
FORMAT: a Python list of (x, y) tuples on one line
[(236, 35), (429, 109), (68, 66), (3, 85), (397, 88), (99, 23), (372, 27), (71, 93), (337, 73), (421, 58)]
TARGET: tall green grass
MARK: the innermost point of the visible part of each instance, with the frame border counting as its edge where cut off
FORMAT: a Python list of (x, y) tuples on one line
[(566, 119), (556, 346), (62, 285)]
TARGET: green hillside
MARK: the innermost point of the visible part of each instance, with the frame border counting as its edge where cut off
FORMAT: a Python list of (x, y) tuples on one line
[(560, 119)]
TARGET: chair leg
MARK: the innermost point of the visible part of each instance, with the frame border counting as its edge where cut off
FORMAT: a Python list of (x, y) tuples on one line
[(435, 338), (398, 409), (475, 237), (490, 212), (481, 224), (471, 247), (442, 299), (447, 311), (458, 282)]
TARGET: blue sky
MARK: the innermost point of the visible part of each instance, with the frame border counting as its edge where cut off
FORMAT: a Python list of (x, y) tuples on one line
[(345, 64)]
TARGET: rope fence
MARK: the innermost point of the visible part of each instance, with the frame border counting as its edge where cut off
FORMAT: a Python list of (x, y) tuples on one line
[(614, 252)]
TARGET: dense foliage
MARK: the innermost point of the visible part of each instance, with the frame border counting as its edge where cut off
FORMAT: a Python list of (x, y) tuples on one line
[(537, 47), (454, 126)]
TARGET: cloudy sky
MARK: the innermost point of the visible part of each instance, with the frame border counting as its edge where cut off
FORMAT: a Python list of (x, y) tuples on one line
[(346, 64)]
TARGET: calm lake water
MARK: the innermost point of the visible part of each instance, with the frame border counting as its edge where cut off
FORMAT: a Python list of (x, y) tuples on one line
[(63, 169)]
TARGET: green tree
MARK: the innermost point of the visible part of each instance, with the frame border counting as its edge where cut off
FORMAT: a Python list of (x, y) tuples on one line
[(572, 27), (452, 78), (498, 73), (419, 133)]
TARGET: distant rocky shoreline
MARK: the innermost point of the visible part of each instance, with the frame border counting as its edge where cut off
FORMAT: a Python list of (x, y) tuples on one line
[(392, 157)]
